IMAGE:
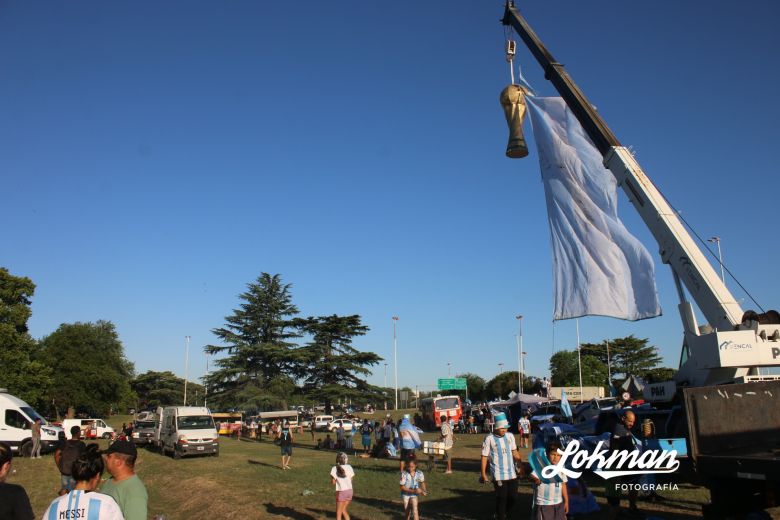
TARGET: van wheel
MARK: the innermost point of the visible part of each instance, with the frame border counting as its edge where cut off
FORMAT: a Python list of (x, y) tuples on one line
[(107, 436), (216, 454), (161, 447), (176, 454), (25, 450)]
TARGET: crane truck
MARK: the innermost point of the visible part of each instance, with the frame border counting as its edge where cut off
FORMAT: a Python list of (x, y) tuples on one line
[(729, 397)]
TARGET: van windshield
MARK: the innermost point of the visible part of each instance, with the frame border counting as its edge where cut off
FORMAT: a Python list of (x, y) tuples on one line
[(194, 422), (32, 414)]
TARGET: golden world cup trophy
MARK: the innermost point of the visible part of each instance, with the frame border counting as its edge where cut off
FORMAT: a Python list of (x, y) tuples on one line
[(513, 103)]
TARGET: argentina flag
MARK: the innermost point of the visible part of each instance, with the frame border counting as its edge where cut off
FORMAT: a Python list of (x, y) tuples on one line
[(599, 268)]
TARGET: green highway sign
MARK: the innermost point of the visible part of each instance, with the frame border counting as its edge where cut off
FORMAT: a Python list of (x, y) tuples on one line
[(453, 383)]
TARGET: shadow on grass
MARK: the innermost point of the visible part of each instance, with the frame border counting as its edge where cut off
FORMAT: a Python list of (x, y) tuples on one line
[(261, 463), (287, 512)]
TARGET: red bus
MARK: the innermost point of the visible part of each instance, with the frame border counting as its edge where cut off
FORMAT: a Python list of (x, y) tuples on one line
[(432, 408)]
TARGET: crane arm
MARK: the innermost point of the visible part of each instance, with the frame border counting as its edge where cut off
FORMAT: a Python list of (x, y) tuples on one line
[(676, 246)]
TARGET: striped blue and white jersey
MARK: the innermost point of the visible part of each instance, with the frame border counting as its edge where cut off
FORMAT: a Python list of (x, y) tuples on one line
[(410, 481), (82, 505), (499, 452), (549, 494)]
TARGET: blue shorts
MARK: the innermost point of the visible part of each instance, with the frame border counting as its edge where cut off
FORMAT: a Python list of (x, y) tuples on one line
[(367, 441), (287, 450)]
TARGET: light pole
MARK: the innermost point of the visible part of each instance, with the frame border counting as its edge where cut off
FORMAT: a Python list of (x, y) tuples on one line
[(609, 369), (395, 360), (523, 369), (385, 386), (449, 373), (186, 365), (500, 368), (206, 385), (716, 240), (520, 374)]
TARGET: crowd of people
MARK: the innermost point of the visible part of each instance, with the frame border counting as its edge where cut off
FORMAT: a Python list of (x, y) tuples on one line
[(82, 491), (84, 494)]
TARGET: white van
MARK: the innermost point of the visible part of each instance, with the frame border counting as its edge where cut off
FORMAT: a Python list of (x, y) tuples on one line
[(16, 418), (98, 426), (186, 430), (322, 422)]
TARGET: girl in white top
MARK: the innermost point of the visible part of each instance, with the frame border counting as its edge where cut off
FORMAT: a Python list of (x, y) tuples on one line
[(341, 476)]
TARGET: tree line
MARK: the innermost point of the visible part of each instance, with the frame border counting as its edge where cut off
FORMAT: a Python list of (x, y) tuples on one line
[(81, 367)]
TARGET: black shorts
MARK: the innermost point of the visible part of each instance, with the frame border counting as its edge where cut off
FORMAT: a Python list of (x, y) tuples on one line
[(407, 455)]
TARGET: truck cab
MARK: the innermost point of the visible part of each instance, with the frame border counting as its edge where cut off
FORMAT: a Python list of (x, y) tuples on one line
[(186, 430)]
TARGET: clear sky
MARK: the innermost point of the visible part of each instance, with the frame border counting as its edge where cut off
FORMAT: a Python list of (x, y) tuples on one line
[(156, 157)]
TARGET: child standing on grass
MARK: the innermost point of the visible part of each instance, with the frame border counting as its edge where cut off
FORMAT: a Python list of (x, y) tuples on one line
[(412, 485), (341, 476), (551, 498)]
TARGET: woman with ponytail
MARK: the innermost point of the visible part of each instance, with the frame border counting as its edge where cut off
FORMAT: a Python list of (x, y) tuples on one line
[(341, 476), (84, 501)]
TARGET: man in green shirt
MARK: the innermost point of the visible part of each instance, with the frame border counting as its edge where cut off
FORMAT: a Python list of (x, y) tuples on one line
[(124, 485)]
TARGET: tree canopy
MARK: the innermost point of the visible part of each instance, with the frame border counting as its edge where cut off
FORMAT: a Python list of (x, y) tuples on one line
[(90, 371), (164, 388), (336, 371), (22, 373), (260, 356)]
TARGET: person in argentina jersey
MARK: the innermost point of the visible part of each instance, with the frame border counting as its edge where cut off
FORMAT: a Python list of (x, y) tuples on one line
[(84, 502), (499, 455)]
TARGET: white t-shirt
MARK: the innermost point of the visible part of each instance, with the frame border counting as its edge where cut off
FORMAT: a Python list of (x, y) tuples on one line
[(343, 483), (80, 504)]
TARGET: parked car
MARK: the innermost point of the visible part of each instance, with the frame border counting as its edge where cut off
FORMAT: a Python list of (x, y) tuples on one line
[(143, 432), (321, 422), (348, 425), (590, 409)]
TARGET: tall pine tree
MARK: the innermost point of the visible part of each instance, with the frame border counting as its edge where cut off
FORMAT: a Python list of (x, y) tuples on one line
[(261, 362), (336, 370)]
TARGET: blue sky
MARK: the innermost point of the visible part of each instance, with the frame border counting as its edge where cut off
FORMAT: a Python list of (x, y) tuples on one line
[(156, 157)]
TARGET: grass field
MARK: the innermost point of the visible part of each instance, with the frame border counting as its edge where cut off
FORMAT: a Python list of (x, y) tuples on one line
[(245, 481)]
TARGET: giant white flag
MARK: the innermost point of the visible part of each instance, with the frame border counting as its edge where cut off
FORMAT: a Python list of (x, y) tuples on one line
[(599, 268)]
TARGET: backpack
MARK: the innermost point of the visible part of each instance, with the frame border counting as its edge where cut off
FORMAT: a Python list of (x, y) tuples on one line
[(68, 455)]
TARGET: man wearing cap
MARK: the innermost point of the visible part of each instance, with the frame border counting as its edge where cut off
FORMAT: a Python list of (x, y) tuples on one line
[(499, 449), (124, 485)]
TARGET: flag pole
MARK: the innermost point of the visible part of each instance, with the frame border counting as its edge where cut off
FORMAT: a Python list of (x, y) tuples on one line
[(579, 358)]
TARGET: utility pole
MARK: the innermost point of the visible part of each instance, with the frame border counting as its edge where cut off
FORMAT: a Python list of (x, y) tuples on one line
[(395, 359), (579, 357), (520, 368), (186, 365), (385, 386)]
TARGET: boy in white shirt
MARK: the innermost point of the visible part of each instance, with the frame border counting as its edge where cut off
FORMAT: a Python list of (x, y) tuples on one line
[(551, 498)]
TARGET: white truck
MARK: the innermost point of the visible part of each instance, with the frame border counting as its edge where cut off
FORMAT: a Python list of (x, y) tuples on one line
[(727, 380), (186, 430), (16, 419)]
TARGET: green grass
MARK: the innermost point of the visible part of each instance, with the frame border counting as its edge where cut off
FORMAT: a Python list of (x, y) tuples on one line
[(245, 482)]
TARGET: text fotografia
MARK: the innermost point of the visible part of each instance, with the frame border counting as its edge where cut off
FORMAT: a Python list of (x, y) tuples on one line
[(616, 464), (647, 487)]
